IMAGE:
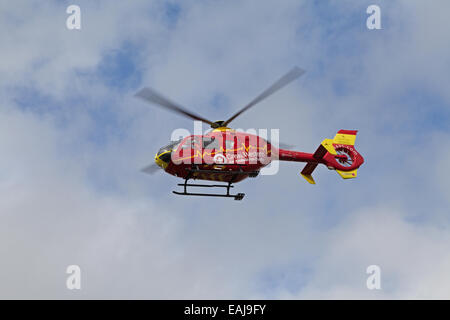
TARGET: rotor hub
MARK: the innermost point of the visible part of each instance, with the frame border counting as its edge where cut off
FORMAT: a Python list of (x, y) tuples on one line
[(218, 124), (345, 157)]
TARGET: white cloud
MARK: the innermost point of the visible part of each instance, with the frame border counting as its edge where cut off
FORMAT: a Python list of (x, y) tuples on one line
[(413, 258)]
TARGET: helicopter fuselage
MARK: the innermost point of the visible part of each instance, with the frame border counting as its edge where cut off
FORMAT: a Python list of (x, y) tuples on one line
[(216, 156), (228, 156)]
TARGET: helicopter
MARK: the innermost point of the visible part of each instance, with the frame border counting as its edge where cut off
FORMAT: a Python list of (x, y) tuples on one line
[(229, 156)]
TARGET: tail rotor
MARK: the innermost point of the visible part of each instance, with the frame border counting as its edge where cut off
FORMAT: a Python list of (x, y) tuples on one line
[(337, 154)]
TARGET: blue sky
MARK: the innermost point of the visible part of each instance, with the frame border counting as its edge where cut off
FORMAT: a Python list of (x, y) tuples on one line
[(74, 140)]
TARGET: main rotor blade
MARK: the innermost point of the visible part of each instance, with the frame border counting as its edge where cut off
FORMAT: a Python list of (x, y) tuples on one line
[(151, 169), (283, 81), (152, 96), (282, 145)]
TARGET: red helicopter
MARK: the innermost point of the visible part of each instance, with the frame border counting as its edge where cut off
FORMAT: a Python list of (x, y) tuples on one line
[(226, 155)]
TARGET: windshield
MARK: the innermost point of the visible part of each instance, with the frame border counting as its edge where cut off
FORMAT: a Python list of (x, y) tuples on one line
[(210, 143), (190, 143), (172, 146)]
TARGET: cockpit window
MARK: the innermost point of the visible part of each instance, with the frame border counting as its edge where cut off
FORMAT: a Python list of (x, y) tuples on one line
[(229, 144), (172, 146), (210, 143), (190, 143)]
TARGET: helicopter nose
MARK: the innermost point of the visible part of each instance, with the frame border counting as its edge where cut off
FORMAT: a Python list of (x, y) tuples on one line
[(162, 159)]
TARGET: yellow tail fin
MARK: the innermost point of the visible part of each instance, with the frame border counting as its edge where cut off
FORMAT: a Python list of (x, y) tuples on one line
[(347, 174)]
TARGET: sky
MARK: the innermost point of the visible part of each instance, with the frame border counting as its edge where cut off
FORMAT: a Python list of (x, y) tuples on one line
[(73, 140)]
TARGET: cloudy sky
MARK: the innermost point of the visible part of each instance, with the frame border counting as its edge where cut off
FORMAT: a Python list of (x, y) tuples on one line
[(73, 139)]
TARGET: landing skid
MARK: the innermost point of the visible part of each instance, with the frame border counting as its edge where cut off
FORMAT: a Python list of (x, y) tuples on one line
[(238, 196), (235, 173)]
